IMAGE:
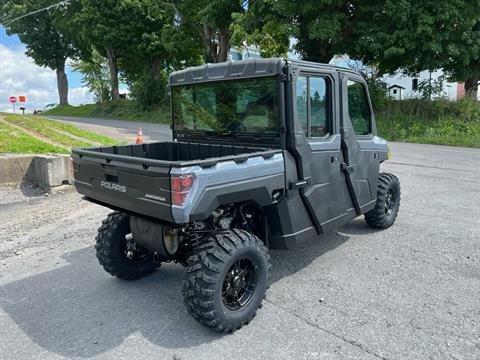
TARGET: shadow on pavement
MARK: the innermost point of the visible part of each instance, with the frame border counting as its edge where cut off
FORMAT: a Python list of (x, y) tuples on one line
[(79, 310), (357, 226)]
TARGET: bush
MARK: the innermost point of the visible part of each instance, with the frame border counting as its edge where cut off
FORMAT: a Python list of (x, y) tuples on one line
[(378, 93), (432, 122), (426, 110), (149, 91)]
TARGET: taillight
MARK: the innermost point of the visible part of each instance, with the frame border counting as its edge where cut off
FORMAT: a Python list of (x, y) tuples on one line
[(180, 186)]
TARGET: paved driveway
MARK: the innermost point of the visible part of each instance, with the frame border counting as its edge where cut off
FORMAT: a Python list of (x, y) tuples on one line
[(410, 292)]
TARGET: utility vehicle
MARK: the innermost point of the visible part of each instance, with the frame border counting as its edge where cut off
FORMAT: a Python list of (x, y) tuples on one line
[(265, 154)]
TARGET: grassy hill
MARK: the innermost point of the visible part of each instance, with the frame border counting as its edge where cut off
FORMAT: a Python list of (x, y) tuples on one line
[(119, 109), (33, 135)]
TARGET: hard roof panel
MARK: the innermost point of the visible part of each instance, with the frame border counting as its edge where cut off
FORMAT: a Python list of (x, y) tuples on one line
[(242, 69), (228, 70)]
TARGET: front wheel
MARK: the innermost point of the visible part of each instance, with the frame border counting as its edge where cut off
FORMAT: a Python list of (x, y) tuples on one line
[(226, 279), (388, 202)]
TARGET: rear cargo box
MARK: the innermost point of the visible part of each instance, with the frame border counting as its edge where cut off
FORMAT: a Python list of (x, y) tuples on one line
[(136, 178)]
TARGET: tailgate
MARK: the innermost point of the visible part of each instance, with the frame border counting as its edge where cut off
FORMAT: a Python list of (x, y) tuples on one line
[(129, 184)]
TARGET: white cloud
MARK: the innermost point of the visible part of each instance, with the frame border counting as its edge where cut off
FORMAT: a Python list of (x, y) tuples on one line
[(20, 76)]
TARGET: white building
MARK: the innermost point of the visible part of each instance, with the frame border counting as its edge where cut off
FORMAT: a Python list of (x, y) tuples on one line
[(401, 87), (244, 53)]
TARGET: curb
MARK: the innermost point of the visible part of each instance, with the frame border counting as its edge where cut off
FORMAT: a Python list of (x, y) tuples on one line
[(44, 171)]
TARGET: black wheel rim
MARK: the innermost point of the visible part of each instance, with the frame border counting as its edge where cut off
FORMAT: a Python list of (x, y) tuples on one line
[(390, 201), (239, 284)]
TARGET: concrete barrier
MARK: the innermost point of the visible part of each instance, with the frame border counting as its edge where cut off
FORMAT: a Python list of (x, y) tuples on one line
[(14, 168), (45, 171)]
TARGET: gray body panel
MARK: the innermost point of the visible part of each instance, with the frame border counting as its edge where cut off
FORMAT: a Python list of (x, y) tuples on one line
[(228, 182)]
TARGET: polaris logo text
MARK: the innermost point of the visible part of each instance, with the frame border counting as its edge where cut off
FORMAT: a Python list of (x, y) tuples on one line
[(112, 186)]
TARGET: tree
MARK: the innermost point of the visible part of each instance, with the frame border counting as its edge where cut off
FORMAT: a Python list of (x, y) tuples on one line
[(106, 25), (49, 43), (423, 35), (320, 27), (164, 42), (464, 59), (392, 34), (211, 19), (96, 75), (256, 25)]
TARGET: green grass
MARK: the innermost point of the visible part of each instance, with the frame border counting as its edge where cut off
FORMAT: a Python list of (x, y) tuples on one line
[(44, 131), (101, 139), (438, 122), (45, 128), (119, 109), (17, 142)]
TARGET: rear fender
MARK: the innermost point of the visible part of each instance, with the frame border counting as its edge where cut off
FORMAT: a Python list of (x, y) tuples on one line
[(256, 179)]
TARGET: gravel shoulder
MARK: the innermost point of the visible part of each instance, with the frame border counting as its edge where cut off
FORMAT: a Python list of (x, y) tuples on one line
[(410, 292)]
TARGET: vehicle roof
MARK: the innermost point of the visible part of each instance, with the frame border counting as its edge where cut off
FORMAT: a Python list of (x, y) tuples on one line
[(242, 69), (316, 65)]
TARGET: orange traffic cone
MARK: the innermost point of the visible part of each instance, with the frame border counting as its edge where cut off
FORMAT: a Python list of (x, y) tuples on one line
[(139, 136)]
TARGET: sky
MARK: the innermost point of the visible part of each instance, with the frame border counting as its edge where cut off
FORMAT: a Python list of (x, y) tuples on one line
[(20, 76)]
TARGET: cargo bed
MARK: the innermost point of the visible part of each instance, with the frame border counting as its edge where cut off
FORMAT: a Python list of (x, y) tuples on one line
[(171, 153), (136, 178)]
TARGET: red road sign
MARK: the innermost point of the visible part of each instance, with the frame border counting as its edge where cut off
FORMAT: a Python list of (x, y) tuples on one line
[(12, 99), (22, 98)]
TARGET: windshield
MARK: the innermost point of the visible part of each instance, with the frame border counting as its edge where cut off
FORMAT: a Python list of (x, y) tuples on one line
[(226, 108)]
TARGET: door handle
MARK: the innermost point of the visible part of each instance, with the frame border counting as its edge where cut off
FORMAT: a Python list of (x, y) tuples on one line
[(300, 184)]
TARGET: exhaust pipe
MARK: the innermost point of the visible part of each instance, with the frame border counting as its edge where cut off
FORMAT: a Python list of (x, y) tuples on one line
[(162, 239)]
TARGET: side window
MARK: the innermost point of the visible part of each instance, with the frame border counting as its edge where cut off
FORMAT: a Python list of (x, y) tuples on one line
[(318, 108), (358, 108), (301, 99), (312, 105)]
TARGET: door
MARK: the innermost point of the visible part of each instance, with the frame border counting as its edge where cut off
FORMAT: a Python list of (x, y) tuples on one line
[(361, 160), (318, 146)]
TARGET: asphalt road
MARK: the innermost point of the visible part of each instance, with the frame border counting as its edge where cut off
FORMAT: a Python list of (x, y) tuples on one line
[(410, 292), (120, 129)]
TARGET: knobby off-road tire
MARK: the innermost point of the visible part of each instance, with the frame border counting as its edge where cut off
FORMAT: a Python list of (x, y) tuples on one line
[(111, 247), (388, 202), (210, 272)]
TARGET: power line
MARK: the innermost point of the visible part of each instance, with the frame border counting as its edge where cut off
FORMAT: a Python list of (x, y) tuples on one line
[(10, 21)]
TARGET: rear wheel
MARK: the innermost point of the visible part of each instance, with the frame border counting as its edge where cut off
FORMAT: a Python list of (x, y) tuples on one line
[(117, 252), (226, 279), (388, 202)]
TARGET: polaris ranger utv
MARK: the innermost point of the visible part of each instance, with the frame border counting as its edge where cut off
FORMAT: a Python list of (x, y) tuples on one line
[(265, 154)]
